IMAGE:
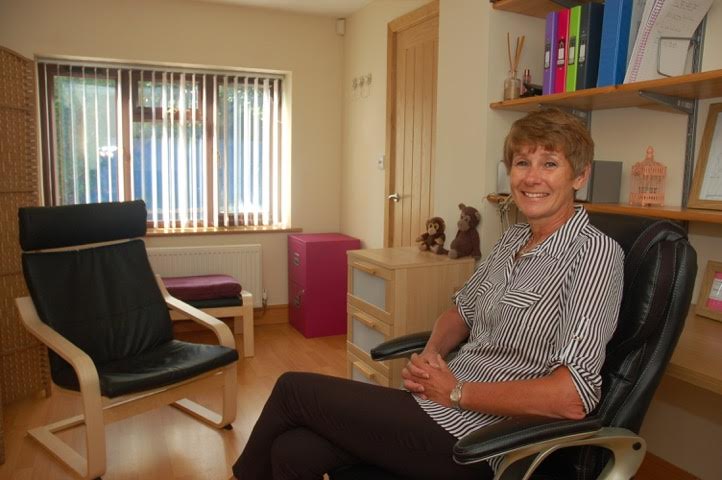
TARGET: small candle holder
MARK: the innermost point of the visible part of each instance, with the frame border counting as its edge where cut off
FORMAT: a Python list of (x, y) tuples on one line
[(512, 86)]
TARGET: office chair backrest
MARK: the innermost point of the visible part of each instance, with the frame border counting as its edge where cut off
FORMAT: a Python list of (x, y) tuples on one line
[(103, 298), (659, 273)]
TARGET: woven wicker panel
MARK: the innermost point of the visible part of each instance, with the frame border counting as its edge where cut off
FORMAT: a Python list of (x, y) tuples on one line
[(24, 373), (9, 235), (23, 361), (14, 335), (17, 143), (17, 86), (2, 438)]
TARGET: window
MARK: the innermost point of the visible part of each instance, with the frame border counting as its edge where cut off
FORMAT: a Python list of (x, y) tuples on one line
[(202, 149)]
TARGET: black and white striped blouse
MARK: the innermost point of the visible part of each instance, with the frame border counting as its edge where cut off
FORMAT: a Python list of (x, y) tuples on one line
[(555, 305)]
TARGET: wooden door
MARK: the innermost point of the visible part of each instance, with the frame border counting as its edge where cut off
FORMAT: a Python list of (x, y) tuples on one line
[(413, 44)]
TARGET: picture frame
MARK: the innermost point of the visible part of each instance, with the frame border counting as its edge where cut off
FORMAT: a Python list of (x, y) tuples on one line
[(706, 191), (709, 300)]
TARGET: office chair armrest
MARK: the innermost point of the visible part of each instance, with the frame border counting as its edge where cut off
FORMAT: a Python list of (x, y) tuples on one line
[(80, 361), (518, 432), (223, 333), (525, 443), (400, 347)]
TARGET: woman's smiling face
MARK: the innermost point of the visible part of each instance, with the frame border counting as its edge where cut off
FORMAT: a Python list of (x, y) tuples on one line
[(543, 185)]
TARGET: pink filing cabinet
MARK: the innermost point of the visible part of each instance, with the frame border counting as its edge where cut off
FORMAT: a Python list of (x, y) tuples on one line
[(317, 282)]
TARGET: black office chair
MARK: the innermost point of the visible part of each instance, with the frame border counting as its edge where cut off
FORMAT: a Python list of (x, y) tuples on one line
[(659, 274), (95, 302)]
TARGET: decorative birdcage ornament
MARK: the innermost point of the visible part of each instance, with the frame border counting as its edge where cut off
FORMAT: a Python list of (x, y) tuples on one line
[(648, 180)]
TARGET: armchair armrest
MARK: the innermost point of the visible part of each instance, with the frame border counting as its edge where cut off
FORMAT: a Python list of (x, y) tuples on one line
[(400, 347), (223, 333)]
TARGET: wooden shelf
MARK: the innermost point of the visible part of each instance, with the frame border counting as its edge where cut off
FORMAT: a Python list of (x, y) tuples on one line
[(688, 87), (672, 213), (697, 358), (533, 8)]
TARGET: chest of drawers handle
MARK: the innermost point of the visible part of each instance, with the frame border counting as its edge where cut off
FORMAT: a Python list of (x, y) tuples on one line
[(365, 267), (366, 371), (365, 319)]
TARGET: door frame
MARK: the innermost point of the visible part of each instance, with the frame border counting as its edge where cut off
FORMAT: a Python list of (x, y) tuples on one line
[(396, 26)]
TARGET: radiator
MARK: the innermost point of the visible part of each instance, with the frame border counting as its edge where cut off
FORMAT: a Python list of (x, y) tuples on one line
[(243, 262)]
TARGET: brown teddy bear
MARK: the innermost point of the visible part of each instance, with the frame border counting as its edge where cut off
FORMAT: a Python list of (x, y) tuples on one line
[(467, 241), (434, 237)]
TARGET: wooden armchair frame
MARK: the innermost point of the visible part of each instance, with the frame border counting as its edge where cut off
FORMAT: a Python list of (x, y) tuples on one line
[(99, 410)]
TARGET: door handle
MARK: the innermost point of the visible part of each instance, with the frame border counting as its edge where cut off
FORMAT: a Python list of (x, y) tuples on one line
[(395, 197)]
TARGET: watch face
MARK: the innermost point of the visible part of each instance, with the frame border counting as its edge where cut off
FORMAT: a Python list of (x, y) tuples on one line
[(456, 395)]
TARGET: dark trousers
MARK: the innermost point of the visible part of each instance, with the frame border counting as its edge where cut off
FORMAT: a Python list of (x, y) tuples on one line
[(313, 424)]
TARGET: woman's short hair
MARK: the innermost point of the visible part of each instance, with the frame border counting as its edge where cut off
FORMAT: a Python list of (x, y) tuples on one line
[(553, 130)]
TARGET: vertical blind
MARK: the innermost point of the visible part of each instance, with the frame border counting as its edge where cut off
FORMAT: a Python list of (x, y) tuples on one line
[(201, 148)]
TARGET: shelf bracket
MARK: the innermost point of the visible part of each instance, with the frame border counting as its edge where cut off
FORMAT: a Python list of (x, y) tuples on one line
[(680, 104), (583, 115)]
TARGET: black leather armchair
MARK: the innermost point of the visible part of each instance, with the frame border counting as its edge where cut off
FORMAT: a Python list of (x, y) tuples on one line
[(659, 274), (95, 302)]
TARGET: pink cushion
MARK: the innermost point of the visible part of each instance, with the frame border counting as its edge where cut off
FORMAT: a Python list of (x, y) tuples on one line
[(202, 287)]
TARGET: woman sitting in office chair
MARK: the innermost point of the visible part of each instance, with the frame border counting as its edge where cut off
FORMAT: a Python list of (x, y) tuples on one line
[(536, 316)]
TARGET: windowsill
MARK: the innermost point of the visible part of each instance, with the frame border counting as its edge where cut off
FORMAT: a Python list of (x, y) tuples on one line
[(161, 232)]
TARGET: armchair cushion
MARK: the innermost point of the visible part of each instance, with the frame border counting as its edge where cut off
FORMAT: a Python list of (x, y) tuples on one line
[(163, 365), (105, 300)]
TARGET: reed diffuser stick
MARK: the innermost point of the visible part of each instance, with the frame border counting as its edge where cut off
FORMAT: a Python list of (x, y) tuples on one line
[(508, 50)]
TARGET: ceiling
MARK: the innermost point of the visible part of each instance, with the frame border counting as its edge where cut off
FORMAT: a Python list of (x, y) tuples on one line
[(328, 8)]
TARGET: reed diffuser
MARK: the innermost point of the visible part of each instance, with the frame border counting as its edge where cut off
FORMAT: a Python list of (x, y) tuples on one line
[(512, 84)]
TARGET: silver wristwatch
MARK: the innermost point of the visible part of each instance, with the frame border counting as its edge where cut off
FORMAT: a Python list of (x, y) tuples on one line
[(455, 395)]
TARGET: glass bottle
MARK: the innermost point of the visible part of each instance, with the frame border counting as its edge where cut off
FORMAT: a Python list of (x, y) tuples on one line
[(512, 86)]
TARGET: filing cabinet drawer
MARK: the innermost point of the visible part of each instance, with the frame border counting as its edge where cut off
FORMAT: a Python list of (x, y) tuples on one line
[(297, 310), (296, 262), (360, 371)]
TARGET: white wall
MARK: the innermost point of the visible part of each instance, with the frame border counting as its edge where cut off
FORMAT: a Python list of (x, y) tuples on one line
[(364, 120), (472, 67), (208, 34)]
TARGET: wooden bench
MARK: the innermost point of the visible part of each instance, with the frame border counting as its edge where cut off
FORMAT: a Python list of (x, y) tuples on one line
[(200, 292)]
